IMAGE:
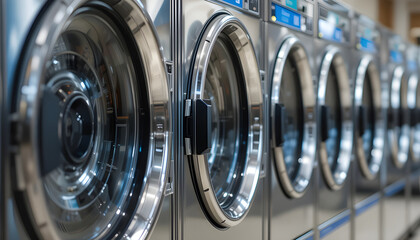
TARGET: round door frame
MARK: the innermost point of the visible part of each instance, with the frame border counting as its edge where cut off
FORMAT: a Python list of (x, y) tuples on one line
[(199, 165), (26, 154), (412, 98), (295, 188), (336, 178), (367, 66), (399, 154)]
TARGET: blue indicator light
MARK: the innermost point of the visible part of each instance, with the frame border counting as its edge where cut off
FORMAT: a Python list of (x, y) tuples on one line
[(286, 16), (237, 3)]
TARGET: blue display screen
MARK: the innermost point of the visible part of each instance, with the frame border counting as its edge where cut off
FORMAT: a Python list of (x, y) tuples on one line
[(412, 65), (237, 3), (329, 31), (287, 16), (367, 45), (396, 56)]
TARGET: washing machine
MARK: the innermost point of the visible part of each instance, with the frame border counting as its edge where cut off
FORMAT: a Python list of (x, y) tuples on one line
[(413, 103), (88, 119), (291, 78), (398, 139), (369, 128), (334, 119), (219, 194)]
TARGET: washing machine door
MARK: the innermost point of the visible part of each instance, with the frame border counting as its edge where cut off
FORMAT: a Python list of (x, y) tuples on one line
[(223, 121), (369, 120), (90, 127), (293, 118), (413, 102), (398, 118), (335, 126)]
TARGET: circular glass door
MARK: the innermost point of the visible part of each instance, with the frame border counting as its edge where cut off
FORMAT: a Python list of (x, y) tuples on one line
[(413, 102), (293, 118), (335, 126), (368, 120), (223, 125), (92, 132), (398, 118)]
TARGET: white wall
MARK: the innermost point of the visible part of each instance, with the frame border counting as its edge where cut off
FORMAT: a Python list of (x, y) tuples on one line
[(366, 7)]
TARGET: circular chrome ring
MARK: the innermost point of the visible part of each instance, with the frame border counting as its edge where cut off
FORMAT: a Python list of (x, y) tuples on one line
[(237, 209), (293, 48), (369, 165), (399, 136), (413, 102), (336, 177), (145, 205)]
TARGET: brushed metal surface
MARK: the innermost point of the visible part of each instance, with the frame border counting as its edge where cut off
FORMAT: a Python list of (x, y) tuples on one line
[(289, 218), (194, 224)]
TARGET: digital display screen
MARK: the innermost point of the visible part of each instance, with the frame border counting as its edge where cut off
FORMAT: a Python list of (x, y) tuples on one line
[(237, 3), (286, 16), (329, 31), (367, 45), (291, 4), (396, 56)]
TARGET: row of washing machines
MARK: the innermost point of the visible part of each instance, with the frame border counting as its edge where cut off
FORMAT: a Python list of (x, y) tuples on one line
[(196, 119)]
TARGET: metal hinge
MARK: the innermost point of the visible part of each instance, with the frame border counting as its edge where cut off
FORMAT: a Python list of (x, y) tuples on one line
[(187, 140), (170, 74), (170, 183)]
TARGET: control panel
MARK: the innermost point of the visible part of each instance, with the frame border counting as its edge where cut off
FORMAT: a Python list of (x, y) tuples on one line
[(295, 14), (333, 22), (396, 48), (251, 6), (367, 36)]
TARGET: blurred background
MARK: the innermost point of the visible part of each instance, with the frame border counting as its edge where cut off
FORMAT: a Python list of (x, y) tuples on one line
[(402, 16)]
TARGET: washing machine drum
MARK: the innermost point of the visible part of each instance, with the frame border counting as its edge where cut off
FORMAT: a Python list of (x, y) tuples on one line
[(293, 118), (398, 118), (90, 131), (336, 126), (223, 121), (369, 120)]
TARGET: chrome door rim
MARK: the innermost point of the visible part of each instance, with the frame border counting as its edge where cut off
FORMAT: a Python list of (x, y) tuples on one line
[(26, 155), (399, 153), (367, 66), (336, 178), (200, 168), (295, 188), (412, 99)]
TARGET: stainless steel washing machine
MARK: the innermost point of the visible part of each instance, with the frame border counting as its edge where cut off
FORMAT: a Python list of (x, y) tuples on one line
[(291, 72), (398, 139), (219, 195), (87, 129), (369, 125), (335, 123), (413, 103)]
